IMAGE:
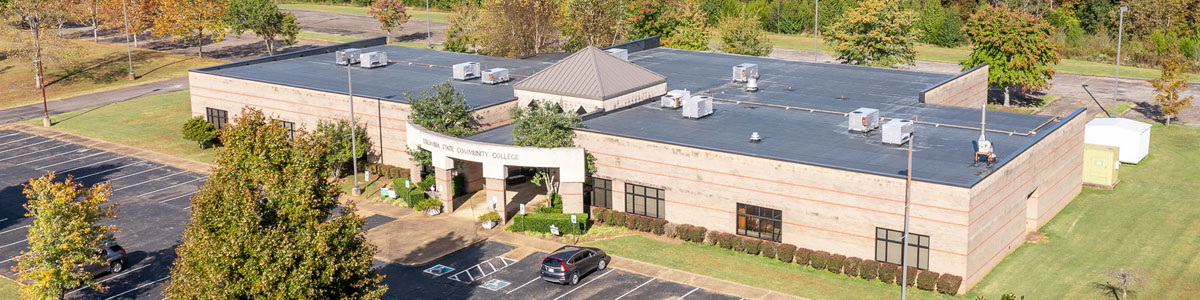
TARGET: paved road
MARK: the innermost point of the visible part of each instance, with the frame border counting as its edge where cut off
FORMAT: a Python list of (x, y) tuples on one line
[(22, 113)]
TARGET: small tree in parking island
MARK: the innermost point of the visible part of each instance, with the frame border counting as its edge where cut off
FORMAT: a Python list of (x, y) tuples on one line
[(340, 150), (200, 130), (264, 224), (390, 14), (64, 235), (876, 33), (544, 124), (1017, 47)]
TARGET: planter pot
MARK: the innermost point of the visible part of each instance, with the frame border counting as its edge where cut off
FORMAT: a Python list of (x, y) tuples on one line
[(489, 224), (433, 211)]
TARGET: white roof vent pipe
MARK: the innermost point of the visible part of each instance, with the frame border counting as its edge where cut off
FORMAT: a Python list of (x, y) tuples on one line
[(752, 84), (754, 137), (984, 152)]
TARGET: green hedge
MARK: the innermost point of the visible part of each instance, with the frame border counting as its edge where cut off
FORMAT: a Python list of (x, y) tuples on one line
[(819, 260), (948, 284), (887, 272), (768, 249), (851, 268), (786, 253), (926, 280), (541, 223), (835, 262), (658, 226), (912, 277), (803, 256), (752, 246), (868, 270), (618, 218)]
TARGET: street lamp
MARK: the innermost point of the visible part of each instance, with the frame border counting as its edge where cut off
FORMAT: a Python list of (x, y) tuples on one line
[(37, 62), (816, 27), (353, 133), (1117, 77), (912, 139), (428, 32)]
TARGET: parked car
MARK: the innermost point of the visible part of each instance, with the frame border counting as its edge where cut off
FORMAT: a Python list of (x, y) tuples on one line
[(112, 260), (568, 263)]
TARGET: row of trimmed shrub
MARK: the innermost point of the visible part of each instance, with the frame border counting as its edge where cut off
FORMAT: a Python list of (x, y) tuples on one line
[(541, 223), (838, 264)]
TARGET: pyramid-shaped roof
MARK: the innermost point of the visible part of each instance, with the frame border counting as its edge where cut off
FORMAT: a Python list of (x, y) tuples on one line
[(591, 73)]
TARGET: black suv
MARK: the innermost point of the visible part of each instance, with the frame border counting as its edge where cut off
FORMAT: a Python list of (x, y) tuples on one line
[(566, 264), (112, 260)]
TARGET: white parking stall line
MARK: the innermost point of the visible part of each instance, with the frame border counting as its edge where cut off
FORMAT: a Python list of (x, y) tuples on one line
[(14, 229), (584, 284), (4, 219), (11, 259), (14, 141), (149, 181), (111, 278), (178, 184), (28, 153), (27, 146), (137, 288), (91, 164), (523, 285), (14, 243), (10, 134), (56, 155), (689, 293), (635, 288), (67, 161), (479, 267), (107, 170), (177, 197), (147, 170)]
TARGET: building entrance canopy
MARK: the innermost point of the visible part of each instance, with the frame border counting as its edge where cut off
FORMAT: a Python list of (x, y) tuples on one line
[(494, 157)]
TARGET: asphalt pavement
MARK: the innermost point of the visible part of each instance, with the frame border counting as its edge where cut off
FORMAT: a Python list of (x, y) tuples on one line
[(32, 111)]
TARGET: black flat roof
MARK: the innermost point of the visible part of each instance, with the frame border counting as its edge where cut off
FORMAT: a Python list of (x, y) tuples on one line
[(318, 71)]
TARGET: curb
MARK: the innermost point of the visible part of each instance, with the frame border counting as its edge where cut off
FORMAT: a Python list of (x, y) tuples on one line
[(156, 157)]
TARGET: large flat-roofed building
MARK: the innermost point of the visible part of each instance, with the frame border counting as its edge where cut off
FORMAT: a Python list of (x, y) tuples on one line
[(786, 163)]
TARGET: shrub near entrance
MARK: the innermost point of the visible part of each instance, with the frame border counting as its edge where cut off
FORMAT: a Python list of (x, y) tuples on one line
[(542, 222)]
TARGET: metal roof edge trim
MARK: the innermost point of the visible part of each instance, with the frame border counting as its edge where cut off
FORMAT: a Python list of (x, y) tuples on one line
[(779, 159), (921, 97), (1041, 135), (363, 43)]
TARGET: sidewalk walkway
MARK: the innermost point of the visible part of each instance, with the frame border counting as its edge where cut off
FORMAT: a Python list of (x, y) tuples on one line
[(185, 164), (33, 111), (527, 245)]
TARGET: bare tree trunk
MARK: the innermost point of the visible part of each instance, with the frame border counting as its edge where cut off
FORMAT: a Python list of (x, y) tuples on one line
[(200, 43), (1006, 93), (1169, 120), (95, 31), (135, 40)]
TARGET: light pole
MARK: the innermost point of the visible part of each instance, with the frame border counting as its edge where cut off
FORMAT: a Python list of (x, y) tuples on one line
[(904, 241), (1117, 77), (353, 133), (428, 31), (816, 27), (128, 49), (37, 62)]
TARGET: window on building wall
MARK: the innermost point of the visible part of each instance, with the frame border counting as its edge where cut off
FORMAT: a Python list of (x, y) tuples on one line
[(217, 117), (644, 200), (291, 128), (887, 247), (601, 194), (759, 222)]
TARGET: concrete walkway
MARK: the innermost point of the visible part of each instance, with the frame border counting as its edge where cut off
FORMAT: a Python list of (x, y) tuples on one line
[(32, 111)]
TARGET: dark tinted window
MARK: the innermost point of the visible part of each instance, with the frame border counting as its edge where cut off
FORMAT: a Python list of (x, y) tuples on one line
[(217, 117), (759, 222), (601, 194), (644, 200), (552, 261)]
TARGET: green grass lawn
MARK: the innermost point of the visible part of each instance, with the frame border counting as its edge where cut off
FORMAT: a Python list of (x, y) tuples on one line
[(1122, 107), (90, 67), (8, 289), (415, 14), (1151, 221), (333, 38), (153, 123)]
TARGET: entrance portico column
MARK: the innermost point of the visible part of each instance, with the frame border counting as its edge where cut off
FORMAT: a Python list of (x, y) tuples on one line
[(494, 176), (442, 172)]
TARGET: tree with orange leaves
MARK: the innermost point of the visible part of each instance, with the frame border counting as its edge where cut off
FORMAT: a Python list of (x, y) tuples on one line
[(188, 20)]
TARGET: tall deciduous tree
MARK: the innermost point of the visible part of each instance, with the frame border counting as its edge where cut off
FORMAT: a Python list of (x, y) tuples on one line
[(1170, 87), (264, 18), (390, 14), (341, 150), (37, 35), (64, 235), (595, 23), (743, 34), (140, 15), (689, 30), (515, 28), (876, 33), (263, 226), (442, 110), (1016, 46), (88, 12), (544, 124), (188, 20), (462, 35)]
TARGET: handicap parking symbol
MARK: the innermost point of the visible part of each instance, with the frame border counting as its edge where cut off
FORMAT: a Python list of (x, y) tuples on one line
[(439, 270), (495, 284)]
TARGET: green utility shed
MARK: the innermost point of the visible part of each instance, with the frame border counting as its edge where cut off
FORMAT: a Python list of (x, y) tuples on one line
[(1100, 165)]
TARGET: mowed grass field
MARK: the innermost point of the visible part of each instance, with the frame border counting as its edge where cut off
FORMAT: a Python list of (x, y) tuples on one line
[(1151, 222), (415, 14), (87, 68), (8, 289), (153, 123)]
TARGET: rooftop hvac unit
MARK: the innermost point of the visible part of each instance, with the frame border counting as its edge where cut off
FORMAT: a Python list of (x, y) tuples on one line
[(495, 75), (347, 56), (619, 53), (674, 98), (467, 70), (373, 59), (698, 106), (864, 119), (897, 132), (743, 72)]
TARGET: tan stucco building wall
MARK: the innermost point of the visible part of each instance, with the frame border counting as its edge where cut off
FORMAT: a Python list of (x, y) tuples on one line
[(967, 89)]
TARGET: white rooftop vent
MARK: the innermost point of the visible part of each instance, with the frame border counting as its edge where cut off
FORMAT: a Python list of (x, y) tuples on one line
[(674, 98), (495, 75), (743, 72), (619, 53), (864, 119), (897, 132), (698, 106), (752, 84), (754, 137), (347, 56), (373, 59), (467, 70)]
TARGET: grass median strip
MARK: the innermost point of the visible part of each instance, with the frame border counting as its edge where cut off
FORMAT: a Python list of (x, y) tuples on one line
[(8, 289)]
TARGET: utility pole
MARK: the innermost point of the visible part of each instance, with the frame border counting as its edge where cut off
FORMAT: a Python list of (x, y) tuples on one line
[(1117, 77), (428, 31), (816, 28), (37, 62), (353, 132), (904, 241), (128, 49)]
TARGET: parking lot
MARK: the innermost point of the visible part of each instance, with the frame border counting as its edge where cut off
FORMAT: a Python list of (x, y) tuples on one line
[(153, 204), (480, 272)]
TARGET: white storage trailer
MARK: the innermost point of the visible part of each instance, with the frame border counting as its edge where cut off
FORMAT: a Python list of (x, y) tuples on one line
[(373, 59), (1132, 137)]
